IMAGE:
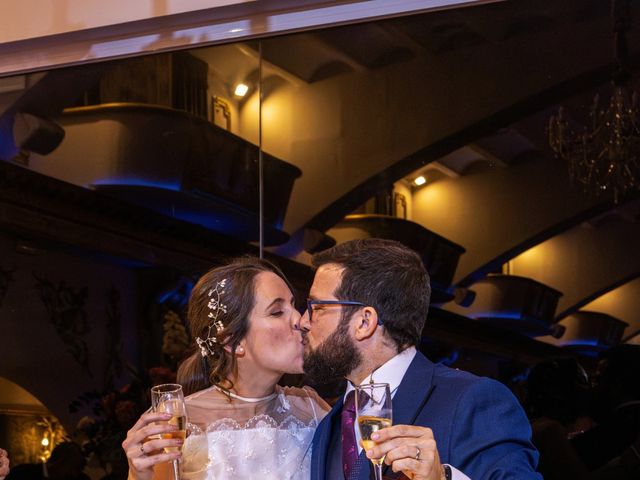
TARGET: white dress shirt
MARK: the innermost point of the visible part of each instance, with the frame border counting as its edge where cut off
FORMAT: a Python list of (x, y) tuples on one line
[(392, 372)]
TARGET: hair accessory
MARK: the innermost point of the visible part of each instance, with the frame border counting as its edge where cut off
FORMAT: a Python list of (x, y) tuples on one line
[(215, 307)]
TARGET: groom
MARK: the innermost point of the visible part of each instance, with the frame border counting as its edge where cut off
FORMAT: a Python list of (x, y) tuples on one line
[(366, 310)]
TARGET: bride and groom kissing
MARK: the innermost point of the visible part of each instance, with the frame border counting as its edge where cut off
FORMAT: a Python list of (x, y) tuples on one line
[(364, 318)]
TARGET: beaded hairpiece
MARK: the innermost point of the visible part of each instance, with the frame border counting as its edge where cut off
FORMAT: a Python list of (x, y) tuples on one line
[(215, 307)]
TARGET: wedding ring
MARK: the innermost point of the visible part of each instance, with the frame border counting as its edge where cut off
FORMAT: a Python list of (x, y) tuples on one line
[(142, 449), (417, 457)]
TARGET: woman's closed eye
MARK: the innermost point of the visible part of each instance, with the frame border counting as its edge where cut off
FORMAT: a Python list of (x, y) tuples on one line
[(279, 307)]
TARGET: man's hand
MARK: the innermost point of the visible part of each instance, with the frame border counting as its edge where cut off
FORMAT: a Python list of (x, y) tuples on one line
[(410, 450)]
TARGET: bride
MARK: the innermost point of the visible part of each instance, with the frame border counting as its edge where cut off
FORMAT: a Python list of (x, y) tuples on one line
[(242, 424)]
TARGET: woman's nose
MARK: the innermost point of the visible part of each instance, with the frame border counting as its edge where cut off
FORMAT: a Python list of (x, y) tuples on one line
[(295, 320)]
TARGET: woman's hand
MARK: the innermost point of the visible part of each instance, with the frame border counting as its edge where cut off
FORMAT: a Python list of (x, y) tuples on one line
[(144, 445), (4, 464)]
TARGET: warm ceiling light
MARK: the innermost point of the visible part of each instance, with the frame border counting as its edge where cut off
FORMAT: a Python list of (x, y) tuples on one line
[(420, 180), (241, 90), (45, 442)]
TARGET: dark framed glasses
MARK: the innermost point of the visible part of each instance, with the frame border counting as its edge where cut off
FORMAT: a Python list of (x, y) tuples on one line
[(312, 303)]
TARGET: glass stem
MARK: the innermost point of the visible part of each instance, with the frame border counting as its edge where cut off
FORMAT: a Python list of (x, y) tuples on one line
[(176, 470), (377, 468)]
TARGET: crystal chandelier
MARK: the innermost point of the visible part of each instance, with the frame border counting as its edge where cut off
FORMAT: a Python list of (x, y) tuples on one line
[(604, 156)]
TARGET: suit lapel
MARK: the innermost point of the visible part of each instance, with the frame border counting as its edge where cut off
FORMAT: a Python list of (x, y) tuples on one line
[(321, 442), (412, 395)]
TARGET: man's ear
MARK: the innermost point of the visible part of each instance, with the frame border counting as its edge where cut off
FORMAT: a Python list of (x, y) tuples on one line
[(367, 323)]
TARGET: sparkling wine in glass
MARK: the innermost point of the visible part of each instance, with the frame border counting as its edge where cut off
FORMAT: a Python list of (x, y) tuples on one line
[(169, 398), (374, 412)]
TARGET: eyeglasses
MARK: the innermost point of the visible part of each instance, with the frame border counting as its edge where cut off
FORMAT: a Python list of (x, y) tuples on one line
[(312, 303)]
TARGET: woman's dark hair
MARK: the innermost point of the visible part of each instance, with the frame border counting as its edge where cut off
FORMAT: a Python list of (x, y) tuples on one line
[(196, 371), (387, 276)]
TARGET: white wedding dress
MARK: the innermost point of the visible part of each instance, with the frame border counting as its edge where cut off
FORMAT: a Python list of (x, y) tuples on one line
[(236, 438)]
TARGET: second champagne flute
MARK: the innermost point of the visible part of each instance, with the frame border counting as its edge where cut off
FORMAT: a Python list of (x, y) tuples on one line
[(374, 412), (169, 398)]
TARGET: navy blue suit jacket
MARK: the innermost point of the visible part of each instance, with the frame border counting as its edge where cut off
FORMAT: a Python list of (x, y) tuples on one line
[(478, 424)]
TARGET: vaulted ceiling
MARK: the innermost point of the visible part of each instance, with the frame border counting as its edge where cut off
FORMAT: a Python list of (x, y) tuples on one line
[(463, 97)]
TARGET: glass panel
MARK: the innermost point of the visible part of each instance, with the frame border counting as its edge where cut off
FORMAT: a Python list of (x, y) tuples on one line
[(121, 182), (172, 132)]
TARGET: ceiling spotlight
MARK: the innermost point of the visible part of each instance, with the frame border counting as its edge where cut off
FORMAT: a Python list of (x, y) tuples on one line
[(241, 90), (420, 180)]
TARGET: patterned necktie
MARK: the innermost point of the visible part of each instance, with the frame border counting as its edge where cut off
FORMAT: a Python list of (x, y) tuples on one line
[(349, 447)]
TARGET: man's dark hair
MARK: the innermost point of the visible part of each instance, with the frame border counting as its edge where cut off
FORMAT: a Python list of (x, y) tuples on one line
[(387, 276)]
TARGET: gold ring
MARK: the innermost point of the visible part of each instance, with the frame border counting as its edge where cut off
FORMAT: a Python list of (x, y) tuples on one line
[(417, 457)]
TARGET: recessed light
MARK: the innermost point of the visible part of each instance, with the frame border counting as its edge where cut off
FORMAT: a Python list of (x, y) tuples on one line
[(420, 180), (241, 90)]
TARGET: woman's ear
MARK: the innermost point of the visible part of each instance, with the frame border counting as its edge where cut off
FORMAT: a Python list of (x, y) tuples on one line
[(367, 323), (239, 350)]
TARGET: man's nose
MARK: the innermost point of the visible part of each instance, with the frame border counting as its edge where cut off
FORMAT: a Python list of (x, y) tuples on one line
[(302, 323)]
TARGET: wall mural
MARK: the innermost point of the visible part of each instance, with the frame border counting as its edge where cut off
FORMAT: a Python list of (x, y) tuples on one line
[(175, 339), (169, 304), (115, 408), (66, 307), (6, 278), (113, 339)]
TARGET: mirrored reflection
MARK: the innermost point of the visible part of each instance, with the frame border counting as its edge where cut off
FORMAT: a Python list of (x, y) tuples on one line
[(121, 182), (168, 132)]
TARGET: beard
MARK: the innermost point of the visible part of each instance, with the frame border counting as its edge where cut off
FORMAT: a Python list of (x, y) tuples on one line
[(335, 358)]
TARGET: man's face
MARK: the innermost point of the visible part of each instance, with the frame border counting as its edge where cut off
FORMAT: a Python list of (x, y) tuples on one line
[(330, 351)]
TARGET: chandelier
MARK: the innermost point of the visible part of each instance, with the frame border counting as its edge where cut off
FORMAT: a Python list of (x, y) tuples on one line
[(604, 156)]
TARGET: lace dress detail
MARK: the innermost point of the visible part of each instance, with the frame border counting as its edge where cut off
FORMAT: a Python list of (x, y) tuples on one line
[(237, 440)]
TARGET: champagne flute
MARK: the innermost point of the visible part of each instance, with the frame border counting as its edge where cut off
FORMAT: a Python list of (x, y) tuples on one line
[(169, 398), (373, 410)]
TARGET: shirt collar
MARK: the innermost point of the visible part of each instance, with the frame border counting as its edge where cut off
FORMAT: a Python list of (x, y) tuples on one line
[(391, 372)]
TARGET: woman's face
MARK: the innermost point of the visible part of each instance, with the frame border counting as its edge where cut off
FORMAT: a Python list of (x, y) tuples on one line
[(271, 343)]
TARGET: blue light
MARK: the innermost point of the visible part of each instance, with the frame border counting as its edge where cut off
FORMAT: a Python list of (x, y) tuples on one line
[(522, 376), (215, 222), (139, 182), (194, 207), (177, 295), (511, 315), (587, 342), (451, 359), (8, 148)]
